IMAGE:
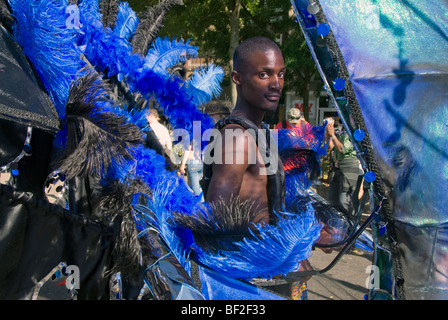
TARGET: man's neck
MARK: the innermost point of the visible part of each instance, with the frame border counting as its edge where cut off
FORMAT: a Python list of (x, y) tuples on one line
[(254, 116)]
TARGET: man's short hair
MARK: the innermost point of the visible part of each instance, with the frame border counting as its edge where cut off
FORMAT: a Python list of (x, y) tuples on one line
[(248, 46)]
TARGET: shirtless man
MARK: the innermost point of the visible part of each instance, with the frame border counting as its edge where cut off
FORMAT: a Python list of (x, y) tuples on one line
[(259, 71), (258, 74)]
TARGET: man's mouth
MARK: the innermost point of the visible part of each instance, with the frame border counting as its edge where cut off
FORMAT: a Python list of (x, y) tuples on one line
[(273, 97)]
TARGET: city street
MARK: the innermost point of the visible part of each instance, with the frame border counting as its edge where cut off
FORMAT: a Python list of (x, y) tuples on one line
[(345, 281)]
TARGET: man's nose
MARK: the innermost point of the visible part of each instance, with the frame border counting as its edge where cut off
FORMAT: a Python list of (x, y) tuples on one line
[(276, 83)]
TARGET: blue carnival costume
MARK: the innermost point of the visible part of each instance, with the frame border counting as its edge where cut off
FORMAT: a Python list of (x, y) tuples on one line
[(89, 67), (384, 64)]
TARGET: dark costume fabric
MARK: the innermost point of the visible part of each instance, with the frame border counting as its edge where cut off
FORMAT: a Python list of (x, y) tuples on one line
[(37, 234)]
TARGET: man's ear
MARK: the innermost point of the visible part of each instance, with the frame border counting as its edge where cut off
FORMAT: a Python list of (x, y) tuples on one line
[(235, 77)]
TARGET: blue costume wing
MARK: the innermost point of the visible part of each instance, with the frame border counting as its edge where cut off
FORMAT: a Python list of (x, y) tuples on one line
[(384, 64)]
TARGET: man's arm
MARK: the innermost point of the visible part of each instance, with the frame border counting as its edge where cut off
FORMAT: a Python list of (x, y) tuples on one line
[(334, 141)]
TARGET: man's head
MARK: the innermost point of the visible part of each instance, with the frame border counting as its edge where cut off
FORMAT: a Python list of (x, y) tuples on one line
[(294, 115), (244, 51), (258, 73)]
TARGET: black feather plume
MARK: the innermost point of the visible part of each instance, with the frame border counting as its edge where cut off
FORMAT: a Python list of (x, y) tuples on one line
[(150, 24), (221, 224), (94, 136), (109, 11), (6, 19), (115, 206)]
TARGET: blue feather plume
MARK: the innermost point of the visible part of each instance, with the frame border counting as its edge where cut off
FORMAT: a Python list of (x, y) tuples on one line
[(206, 83), (90, 12), (149, 167), (174, 99), (165, 53), (153, 214), (170, 193), (126, 22), (107, 50), (275, 250), (134, 116), (41, 30), (309, 137)]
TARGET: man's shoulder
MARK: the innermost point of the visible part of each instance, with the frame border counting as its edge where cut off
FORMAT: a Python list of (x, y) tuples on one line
[(236, 128), (232, 126), (237, 131)]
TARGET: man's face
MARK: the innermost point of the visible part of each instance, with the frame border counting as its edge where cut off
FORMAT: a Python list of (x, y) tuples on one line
[(261, 80)]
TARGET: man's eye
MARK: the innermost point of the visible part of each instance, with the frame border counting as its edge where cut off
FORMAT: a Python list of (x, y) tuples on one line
[(263, 75), (281, 75)]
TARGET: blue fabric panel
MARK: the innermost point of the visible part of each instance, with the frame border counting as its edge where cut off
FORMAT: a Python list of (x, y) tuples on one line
[(216, 286)]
